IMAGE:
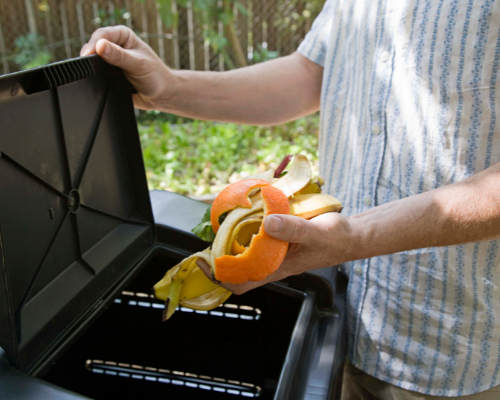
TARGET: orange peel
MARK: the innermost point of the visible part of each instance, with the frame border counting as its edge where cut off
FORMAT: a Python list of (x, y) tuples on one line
[(234, 195), (265, 253)]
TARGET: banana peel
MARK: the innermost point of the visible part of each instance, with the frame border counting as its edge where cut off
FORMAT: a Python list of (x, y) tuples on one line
[(186, 285)]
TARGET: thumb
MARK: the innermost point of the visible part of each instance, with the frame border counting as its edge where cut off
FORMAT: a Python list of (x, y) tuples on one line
[(115, 55), (288, 228)]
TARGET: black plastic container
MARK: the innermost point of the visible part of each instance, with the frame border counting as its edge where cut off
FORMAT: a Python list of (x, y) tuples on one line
[(81, 246)]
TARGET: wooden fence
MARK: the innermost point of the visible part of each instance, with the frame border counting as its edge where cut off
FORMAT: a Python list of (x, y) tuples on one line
[(275, 25)]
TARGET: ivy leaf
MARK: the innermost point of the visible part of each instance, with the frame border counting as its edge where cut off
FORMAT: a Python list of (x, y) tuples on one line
[(204, 231)]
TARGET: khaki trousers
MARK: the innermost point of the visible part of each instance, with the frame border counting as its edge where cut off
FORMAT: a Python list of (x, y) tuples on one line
[(357, 385)]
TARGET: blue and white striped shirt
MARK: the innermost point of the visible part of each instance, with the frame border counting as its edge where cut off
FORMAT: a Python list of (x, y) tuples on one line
[(409, 103)]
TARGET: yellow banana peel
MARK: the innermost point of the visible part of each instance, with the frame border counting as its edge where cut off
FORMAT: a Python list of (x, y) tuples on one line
[(186, 284)]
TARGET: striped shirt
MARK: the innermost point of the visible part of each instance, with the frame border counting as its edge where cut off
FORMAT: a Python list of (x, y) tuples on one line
[(409, 103)]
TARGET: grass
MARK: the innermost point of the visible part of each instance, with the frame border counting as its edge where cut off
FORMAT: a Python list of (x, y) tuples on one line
[(199, 157)]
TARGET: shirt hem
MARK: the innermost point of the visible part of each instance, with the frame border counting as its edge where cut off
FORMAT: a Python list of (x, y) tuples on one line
[(311, 52), (433, 392)]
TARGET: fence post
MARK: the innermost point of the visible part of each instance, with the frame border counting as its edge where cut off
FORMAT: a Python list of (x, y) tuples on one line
[(48, 26), (206, 46), (111, 10), (161, 42), (3, 52), (81, 23), (250, 30), (129, 10), (30, 13), (64, 20), (175, 32), (192, 63), (95, 9), (145, 34)]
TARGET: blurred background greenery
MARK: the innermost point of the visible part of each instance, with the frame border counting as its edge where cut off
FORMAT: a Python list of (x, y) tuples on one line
[(199, 157), (194, 158)]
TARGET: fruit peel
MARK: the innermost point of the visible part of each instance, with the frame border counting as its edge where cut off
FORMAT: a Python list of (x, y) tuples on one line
[(265, 253), (234, 195)]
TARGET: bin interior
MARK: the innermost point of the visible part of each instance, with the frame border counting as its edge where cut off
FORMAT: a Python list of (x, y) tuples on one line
[(234, 351)]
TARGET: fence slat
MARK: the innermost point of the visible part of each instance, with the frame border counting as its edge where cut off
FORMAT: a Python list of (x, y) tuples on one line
[(161, 41), (129, 10), (64, 20), (30, 14), (206, 49), (111, 11), (192, 62), (81, 23), (48, 26), (175, 32), (221, 56), (3, 52), (95, 9), (144, 16)]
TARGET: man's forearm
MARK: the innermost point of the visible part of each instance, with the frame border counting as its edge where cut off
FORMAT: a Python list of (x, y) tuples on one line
[(263, 94), (467, 211)]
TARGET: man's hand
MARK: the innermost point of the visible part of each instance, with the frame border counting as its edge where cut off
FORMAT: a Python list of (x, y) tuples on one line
[(266, 93), (321, 242), (120, 46)]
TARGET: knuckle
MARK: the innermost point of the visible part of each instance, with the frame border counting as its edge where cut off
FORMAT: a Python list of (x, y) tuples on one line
[(100, 32), (299, 230)]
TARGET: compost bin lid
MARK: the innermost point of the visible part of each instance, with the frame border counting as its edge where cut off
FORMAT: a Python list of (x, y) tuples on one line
[(75, 213)]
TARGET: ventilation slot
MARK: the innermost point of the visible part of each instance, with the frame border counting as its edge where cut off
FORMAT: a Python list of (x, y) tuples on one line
[(67, 72), (178, 378)]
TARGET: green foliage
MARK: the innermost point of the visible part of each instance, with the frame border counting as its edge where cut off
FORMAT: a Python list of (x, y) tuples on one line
[(209, 13), (116, 16), (30, 51), (204, 229), (290, 23), (203, 157), (152, 116), (263, 54)]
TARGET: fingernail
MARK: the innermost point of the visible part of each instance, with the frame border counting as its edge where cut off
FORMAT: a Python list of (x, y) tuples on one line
[(274, 224), (107, 49)]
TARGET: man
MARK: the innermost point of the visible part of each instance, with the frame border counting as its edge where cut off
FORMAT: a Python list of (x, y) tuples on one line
[(410, 144)]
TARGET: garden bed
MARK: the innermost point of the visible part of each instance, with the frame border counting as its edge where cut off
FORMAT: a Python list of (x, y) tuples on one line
[(200, 158)]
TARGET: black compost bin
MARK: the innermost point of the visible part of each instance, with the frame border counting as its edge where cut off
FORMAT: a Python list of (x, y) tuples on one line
[(82, 242)]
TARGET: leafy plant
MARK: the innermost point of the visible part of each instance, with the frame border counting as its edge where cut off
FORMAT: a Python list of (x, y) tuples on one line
[(210, 12), (263, 54), (30, 51), (287, 23), (203, 157), (115, 16)]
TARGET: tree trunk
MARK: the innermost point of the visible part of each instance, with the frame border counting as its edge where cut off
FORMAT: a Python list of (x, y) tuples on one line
[(241, 60)]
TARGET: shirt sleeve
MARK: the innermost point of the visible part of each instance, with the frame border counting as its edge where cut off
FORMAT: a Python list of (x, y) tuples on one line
[(315, 43)]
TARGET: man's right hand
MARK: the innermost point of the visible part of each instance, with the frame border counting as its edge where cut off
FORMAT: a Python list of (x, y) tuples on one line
[(120, 46)]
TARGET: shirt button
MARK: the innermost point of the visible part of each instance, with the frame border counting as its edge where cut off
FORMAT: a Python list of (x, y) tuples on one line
[(384, 56), (376, 130), (358, 270), (368, 201)]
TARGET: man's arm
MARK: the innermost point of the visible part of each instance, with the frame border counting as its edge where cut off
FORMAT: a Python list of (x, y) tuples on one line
[(264, 94), (464, 212), (468, 211)]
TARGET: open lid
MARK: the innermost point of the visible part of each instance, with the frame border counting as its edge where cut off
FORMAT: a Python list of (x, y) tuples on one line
[(75, 213)]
